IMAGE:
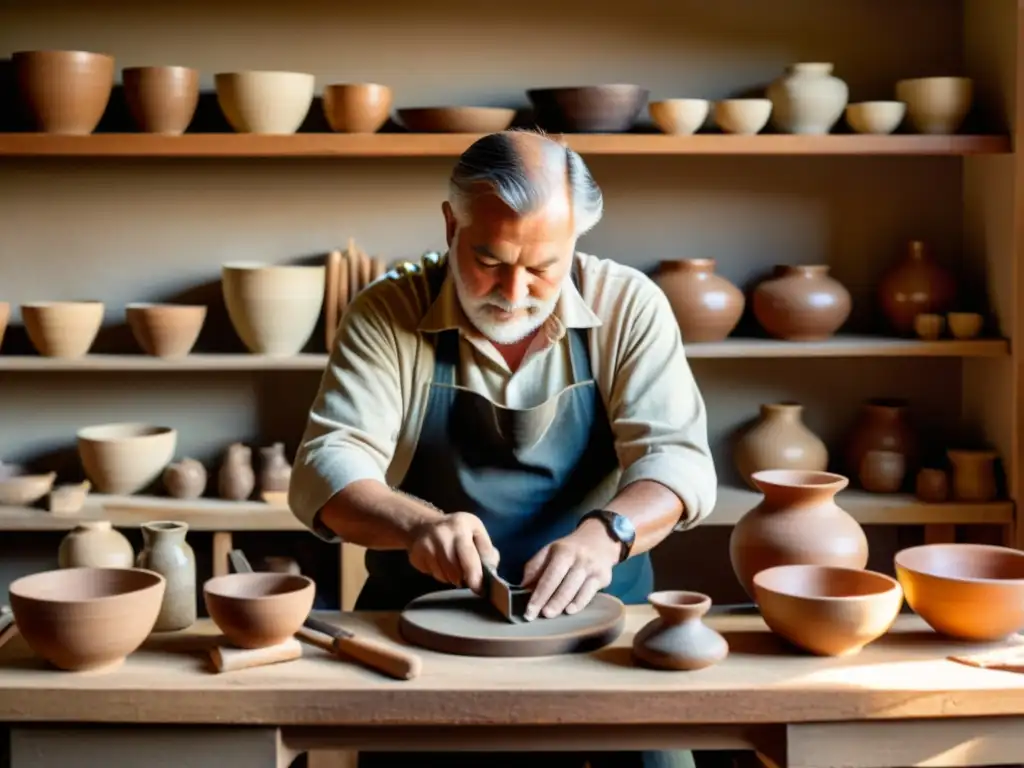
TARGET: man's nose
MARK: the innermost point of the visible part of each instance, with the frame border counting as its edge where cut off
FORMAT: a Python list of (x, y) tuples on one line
[(514, 285)]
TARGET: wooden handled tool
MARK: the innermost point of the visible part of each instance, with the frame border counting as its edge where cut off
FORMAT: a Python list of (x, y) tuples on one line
[(229, 659)]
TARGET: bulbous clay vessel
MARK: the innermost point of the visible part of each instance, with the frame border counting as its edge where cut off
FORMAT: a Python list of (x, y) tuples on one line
[(679, 639), (707, 306), (797, 523), (95, 544), (807, 99), (882, 426), (236, 478), (185, 479), (779, 440), (275, 471), (801, 303), (166, 552), (917, 285)]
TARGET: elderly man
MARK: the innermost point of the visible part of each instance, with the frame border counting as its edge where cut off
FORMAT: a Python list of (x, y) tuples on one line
[(514, 402)]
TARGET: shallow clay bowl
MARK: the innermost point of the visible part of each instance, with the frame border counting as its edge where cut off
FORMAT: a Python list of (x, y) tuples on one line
[(166, 330), (827, 610), (357, 107), (966, 591), (64, 92), (588, 109), (86, 618), (65, 329), (126, 457), (456, 119), (19, 490), (255, 610)]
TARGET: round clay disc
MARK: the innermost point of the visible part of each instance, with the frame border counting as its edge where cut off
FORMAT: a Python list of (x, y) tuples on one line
[(458, 621)]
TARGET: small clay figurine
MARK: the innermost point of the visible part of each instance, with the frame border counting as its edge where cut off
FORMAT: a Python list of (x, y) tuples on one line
[(276, 471), (185, 479), (236, 479)]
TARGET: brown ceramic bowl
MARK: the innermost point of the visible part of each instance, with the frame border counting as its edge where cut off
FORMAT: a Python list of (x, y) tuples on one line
[(255, 610), (456, 119), (166, 330), (967, 591), (64, 329), (357, 107), (64, 91), (87, 618), (588, 109), (124, 458), (161, 99), (827, 610)]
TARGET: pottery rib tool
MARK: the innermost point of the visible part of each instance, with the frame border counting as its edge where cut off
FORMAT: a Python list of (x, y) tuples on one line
[(391, 661), (510, 600), (231, 659), (333, 264)]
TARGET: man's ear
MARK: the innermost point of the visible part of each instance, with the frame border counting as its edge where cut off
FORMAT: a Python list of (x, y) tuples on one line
[(449, 221)]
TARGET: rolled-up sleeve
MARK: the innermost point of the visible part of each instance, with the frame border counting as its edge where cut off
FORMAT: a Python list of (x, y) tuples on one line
[(354, 421), (656, 410)]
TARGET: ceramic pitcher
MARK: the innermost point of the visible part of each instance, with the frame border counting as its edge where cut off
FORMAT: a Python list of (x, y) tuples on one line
[(166, 552)]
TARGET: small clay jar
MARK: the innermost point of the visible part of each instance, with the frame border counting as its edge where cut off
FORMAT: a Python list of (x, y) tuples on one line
[(236, 479), (932, 485), (707, 306), (974, 477), (801, 303), (779, 440), (275, 471), (185, 479), (679, 639), (882, 471), (166, 552), (95, 544)]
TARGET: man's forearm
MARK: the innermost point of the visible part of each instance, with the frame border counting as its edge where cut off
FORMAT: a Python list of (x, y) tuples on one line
[(653, 509), (372, 515)]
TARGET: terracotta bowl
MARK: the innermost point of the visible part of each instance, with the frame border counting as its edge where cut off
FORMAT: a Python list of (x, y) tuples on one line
[(21, 490), (166, 330), (64, 91), (124, 458), (265, 102), (967, 591), (161, 99), (588, 109), (936, 105), (744, 117), (877, 117), (456, 119), (827, 610), (255, 610), (65, 329), (87, 618), (965, 325), (5, 315), (679, 116), (357, 107)]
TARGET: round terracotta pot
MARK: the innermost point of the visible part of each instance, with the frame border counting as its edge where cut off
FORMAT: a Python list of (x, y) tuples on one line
[(796, 523), (779, 439), (679, 639), (882, 426), (917, 285), (801, 303), (161, 99), (64, 92), (707, 306)]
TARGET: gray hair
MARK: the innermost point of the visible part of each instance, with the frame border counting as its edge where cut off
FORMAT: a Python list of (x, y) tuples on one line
[(496, 163)]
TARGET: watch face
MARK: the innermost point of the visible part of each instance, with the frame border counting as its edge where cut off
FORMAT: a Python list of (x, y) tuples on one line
[(624, 529)]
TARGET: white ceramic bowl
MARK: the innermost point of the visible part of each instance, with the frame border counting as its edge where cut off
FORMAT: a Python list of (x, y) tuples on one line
[(877, 117), (65, 329), (936, 105), (679, 116), (126, 457), (265, 102), (274, 309), (743, 116)]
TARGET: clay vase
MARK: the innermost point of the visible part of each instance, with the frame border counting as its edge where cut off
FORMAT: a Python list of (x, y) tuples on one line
[(166, 552), (236, 479), (796, 523), (185, 479), (974, 477), (95, 544), (917, 285), (679, 639), (779, 440), (707, 306), (276, 471), (882, 426), (801, 303), (882, 471), (808, 99)]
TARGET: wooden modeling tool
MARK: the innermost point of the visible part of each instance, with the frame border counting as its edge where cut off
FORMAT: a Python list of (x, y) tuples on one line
[(509, 599), (227, 658)]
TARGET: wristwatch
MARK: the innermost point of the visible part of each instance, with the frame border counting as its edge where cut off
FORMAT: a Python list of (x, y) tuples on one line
[(619, 527)]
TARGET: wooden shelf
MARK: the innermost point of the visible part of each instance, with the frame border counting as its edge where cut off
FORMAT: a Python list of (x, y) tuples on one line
[(216, 515), (841, 346), (213, 145)]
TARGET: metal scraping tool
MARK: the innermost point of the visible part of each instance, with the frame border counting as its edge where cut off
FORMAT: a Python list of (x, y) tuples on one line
[(510, 600)]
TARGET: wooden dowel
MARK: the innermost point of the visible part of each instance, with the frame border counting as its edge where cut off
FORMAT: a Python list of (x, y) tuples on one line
[(230, 659)]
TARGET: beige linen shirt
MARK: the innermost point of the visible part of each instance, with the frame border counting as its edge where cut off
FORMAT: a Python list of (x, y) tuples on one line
[(367, 416)]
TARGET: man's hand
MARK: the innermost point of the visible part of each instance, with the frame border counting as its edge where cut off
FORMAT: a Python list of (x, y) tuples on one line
[(453, 549), (567, 573)]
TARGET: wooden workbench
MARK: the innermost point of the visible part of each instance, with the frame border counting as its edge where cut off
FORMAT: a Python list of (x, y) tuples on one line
[(898, 703)]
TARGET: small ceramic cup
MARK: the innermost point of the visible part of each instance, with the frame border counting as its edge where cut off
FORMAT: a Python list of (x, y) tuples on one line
[(929, 326), (964, 325), (876, 117), (742, 116)]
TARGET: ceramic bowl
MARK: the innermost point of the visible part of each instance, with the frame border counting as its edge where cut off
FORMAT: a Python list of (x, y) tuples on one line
[(64, 92), (255, 610), (274, 309), (65, 329), (936, 105), (743, 116), (265, 102), (21, 490), (878, 117), (589, 108), (456, 119), (829, 611), (966, 591), (161, 99), (965, 325), (357, 107), (166, 330), (124, 458), (679, 116), (929, 325), (87, 618)]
